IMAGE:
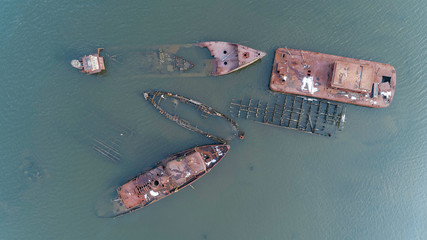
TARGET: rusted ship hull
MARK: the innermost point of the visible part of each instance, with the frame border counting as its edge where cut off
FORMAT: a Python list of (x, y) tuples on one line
[(169, 176), (230, 57), (341, 79), (156, 97)]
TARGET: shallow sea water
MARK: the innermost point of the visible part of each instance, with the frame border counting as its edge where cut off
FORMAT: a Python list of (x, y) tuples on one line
[(368, 182)]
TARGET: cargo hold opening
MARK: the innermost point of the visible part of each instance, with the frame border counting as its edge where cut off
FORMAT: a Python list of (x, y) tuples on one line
[(386, 79)]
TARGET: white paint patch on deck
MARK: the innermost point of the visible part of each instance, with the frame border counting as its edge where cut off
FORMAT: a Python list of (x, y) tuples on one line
[(307, 85), (386, 94)]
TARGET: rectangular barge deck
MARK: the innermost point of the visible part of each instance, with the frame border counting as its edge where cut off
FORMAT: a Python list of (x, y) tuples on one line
[(341, 79)]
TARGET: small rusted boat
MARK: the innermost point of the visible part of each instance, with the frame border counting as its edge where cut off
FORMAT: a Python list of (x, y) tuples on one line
[(169, 176), (341, 79), (230, 57), (157, 98), (91, 64)]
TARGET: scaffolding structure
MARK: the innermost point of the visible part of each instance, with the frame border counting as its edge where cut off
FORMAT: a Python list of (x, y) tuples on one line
[(295, 112)]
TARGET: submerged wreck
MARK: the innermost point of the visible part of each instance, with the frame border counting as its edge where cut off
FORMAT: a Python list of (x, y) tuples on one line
[(157, 97), (157, 61), (181, 60), (91, 64), (341, 79), (230, 57), (169, 176), (310, 115)]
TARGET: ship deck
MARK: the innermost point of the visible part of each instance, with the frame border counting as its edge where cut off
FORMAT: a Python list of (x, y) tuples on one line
[(335, 78), (93, 64)]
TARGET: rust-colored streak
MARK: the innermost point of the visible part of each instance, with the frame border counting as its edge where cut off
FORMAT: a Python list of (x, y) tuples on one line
[(336, 78)]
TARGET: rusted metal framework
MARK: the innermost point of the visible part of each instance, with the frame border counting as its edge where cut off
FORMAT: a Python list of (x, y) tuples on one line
[(166, 60), (157, 96), (107, 150), (295, 112)]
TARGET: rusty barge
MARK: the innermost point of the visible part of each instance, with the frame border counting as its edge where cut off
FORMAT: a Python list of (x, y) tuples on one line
[(157, 98), (90, 64), (169, 176), (341, 79)]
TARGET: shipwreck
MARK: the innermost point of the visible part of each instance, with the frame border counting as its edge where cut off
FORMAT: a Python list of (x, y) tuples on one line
[(230, 57), (180, 60), (310, 115), (167, 177), (341, 79), (91, 64), (167, 103)]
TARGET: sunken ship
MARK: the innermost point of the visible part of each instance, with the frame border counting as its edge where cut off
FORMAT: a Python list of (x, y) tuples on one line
[(341, 79), (157, 98), (167, 177)]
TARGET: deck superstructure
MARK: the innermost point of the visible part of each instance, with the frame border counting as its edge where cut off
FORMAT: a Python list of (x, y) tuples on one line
[(90, 64)]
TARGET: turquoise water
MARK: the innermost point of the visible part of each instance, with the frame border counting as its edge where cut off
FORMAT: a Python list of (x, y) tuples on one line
[(369, 182)]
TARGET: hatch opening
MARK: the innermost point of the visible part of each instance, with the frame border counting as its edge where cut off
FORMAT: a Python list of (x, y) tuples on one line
[(386, 79)]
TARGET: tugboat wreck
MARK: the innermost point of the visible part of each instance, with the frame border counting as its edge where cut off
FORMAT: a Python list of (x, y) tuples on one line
[(230, 57), (341, 79), (169, 176), (90, 64), (156, 98)]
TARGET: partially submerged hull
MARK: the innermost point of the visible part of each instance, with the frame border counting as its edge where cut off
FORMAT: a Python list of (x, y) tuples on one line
[(184, 60), (157, 97), (169, 176), (230, 57), (341, 79)]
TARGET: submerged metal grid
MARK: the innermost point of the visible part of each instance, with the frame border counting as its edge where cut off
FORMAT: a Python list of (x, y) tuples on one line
[(295, 112)]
